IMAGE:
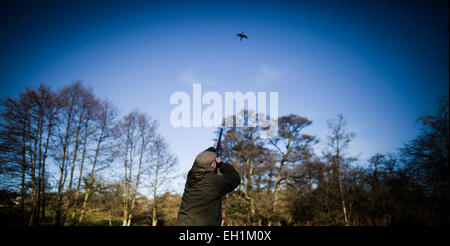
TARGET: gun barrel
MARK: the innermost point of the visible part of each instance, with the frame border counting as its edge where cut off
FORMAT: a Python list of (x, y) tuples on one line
[(219, 140)]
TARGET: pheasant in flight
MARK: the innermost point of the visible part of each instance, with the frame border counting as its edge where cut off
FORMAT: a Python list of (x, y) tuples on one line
[(242, 35)]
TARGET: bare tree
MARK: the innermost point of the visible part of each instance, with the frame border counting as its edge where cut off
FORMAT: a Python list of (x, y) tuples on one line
[(85, 107), (292, 147), (14, 137), (337, 143), (137, 131), (26, 131), (245, 149), (162, 164), (103, 140), (427, 159), (68, 98)]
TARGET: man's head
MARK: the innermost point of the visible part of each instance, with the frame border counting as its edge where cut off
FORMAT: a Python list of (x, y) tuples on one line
[(206, 160)]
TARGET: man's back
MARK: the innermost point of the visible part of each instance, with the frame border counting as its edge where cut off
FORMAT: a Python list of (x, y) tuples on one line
[(201, 204)]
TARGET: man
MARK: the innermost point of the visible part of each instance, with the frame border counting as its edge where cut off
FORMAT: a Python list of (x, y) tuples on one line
[(201, 204)]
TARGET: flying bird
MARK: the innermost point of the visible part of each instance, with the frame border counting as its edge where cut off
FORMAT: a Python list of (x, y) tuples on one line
[(242, 35)]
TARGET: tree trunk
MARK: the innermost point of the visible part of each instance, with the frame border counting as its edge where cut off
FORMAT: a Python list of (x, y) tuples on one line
[(249, 175), (84, 207), (62, 177), (33, 179), (44, 158), (344, 209), (154, 219), (91, 176), (155, 187), (136, 186), (72, 171), (80, 176), (341, 191), (125, 216), (23, 173), (125, 196), (277, 186), (109, 217)]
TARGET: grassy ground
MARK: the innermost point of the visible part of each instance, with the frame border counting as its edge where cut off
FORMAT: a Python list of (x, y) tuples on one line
[(11, 216)]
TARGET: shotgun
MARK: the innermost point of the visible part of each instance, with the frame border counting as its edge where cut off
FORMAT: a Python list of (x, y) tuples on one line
[(219, 140)]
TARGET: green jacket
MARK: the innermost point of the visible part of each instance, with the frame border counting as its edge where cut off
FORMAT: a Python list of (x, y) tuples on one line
[(201, 204)]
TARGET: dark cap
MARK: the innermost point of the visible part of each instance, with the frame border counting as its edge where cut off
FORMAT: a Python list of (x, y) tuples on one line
[(205, 159)]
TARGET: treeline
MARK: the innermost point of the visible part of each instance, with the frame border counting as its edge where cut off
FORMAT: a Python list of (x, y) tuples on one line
[(67, 158), (284, 182)]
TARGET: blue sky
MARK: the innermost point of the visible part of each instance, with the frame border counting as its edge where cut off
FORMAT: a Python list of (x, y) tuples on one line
[(380, 63)]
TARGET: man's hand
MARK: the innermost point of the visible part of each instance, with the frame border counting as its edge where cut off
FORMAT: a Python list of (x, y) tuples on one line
[(215, 145), (217, 164)]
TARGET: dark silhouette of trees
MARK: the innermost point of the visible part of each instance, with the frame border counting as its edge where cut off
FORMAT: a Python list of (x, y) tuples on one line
[(336, 157), (57, 150), (426, 159), (405, 188), (68, 158), (27, 126)]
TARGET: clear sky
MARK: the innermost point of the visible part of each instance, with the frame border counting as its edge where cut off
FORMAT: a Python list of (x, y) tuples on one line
[(380, 63)]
